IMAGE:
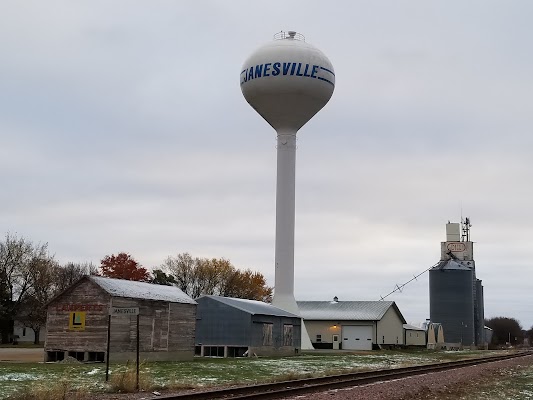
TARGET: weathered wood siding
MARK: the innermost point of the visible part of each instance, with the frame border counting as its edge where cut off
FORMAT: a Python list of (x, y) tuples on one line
[(165, 328), (84, 297), (182, 326)]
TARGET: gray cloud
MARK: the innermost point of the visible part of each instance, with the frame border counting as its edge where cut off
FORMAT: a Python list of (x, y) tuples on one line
[(123, 128)]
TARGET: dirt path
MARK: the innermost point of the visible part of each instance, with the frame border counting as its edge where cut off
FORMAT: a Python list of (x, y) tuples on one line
[(20, 354)]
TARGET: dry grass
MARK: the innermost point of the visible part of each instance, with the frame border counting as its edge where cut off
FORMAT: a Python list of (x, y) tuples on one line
[(290, 376), (124, 380), (60, 390)]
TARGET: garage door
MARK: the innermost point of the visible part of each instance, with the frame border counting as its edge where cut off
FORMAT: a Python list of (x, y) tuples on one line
[(357, 337)]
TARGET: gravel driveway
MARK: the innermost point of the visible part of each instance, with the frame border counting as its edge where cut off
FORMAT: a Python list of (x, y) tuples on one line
[(21, 354)]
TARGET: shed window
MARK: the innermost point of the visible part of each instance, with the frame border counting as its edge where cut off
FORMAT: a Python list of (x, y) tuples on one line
[(287, 335), (267, 334), (318, 338)]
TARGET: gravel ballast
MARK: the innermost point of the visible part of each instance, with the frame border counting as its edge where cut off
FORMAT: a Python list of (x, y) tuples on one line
[(452, 384)]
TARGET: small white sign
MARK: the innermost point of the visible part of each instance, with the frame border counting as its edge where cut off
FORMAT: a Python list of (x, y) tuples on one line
[(124, 311)]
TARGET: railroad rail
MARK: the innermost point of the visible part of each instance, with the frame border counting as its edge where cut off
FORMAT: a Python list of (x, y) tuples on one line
[(309, 385)]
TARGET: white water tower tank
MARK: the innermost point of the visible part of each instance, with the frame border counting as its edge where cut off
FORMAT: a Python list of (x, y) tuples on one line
[(287, 81)]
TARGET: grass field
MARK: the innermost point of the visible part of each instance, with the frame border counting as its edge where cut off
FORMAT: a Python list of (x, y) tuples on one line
[(218, 371), (515, 384)]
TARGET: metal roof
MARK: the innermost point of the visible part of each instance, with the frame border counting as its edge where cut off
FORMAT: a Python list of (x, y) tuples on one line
[(141, 290), (454, 265), (413, 327), (346, 310), (253, 307)]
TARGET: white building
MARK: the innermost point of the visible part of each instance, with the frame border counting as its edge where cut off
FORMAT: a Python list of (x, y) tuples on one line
[(414, 335), (22, 333), (352, 325)]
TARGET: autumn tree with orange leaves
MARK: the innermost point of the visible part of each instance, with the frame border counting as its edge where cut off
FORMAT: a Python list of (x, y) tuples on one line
[(123, 266)]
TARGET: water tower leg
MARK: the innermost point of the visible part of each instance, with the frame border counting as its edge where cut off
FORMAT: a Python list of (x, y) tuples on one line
[(285, 193), (285, 209)]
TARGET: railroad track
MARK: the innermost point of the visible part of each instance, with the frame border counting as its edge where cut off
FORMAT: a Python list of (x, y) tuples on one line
[(301, 386)]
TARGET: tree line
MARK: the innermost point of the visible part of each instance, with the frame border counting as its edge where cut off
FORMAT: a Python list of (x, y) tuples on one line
[(30, 277), (508, 332)]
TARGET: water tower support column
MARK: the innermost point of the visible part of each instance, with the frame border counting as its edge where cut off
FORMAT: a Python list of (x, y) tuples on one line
[(285, 199), (285, 211)]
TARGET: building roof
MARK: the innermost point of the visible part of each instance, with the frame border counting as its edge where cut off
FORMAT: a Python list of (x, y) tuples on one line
[(141, 290), (252, 307), (410, 327), (346, 310), (452, 264)]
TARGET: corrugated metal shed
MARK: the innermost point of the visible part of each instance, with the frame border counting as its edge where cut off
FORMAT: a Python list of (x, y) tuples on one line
[(346, 310), (252, 307), (141, 290)]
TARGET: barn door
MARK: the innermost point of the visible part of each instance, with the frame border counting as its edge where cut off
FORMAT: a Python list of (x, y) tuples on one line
[(160, 330)]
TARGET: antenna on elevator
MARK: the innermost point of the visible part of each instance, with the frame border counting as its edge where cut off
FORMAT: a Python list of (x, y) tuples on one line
[(466, 225)]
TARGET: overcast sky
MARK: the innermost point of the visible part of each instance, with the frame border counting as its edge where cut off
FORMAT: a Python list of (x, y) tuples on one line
[(123, 128)]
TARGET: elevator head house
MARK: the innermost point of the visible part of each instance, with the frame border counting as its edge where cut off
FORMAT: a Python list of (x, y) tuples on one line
[(79, 318)]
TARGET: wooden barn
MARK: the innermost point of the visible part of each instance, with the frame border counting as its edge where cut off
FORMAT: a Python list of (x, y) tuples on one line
[(78, 321)]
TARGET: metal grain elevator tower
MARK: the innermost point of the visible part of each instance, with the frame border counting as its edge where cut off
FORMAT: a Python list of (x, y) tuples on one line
[(455, 293)]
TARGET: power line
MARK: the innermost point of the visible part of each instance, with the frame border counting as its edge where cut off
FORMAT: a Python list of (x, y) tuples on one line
[(398, 288)]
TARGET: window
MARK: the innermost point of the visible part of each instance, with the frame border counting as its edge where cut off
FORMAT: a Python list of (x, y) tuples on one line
[(96, 356), (23, 331), (214, 351), (287, 335), (267, 334), (318, 338), (78, 355)]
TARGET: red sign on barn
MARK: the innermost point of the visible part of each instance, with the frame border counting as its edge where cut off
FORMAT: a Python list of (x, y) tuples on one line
[(81, 307)]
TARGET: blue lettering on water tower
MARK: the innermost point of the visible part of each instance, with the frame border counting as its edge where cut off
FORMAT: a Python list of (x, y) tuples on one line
[(273, 69)]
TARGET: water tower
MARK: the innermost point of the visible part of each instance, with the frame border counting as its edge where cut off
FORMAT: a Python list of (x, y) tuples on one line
[(287, 81)]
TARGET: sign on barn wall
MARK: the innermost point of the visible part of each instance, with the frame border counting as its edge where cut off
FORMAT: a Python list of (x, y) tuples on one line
[(76, 321), (81, 307), (124, 311)]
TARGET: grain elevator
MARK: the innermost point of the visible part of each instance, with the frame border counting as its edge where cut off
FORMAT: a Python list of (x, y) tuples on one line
[(455, 293)]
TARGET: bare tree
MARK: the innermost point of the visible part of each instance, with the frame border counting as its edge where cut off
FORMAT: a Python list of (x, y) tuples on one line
[(16, 257), (72, 272), (44, 285), (182, 267)]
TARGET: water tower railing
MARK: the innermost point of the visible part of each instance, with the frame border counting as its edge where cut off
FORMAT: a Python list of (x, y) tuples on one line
[(289, 35)]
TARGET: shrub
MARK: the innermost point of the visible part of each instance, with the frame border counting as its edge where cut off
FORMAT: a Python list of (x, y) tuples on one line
[(124, 380)]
